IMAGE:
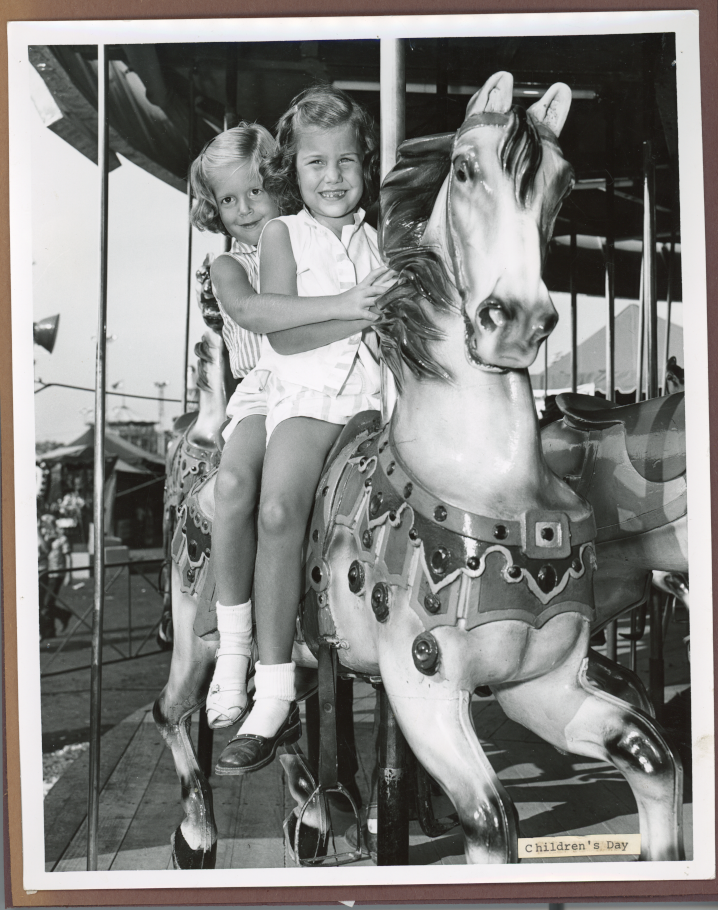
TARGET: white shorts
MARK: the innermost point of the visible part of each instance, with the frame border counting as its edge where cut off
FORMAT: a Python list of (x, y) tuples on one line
[(262, 392)]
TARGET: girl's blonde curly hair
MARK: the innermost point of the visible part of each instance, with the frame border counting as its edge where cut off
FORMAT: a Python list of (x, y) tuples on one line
[(247, 141)]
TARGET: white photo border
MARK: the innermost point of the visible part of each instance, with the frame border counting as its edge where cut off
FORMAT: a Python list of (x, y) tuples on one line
[(685, 25)]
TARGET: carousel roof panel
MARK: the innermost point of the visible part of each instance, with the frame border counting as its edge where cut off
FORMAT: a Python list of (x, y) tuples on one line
[(624, 84)]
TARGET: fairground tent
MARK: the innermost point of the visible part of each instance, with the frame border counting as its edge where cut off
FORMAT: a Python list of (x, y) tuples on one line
[(591, 356), (133, 486), (130, 459)]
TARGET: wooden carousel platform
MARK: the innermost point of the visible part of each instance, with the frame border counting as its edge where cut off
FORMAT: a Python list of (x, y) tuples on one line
[(554, 794)]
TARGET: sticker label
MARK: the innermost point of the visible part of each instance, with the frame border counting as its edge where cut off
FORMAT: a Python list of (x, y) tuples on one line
[(557, 847)]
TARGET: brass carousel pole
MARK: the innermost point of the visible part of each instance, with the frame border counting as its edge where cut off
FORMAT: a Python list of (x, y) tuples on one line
[(392, 821), (650, 56), (656, 664), (392, 100), (649, 270), (609, 254), (190, 150), (98, 560), (574, 314)]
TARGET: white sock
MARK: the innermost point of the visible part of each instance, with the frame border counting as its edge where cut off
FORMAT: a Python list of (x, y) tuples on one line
[(235, 641), (233, 657), (274, 693)]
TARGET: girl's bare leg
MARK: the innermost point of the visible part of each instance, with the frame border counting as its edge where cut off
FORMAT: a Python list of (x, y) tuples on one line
[(292, 467), (234, 551), (234, 541)]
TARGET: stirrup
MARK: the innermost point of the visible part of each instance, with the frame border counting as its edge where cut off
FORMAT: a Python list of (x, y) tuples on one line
[(294, 829)]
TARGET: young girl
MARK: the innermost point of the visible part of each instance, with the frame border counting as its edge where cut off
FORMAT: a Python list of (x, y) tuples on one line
[(230, 199), (317, 371)]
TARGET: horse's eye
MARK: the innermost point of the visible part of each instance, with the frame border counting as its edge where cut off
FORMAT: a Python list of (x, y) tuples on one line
[(461, 173)]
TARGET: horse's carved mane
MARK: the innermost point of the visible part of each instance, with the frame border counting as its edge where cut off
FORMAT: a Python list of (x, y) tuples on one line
[(405, 328)]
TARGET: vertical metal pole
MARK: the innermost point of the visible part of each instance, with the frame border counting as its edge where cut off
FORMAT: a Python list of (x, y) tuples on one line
[(190, 157), (669, 281), (649, 270), (609, 254), (231, 117), (609, 259), (640, 355), (634, 643), (442, 84), (669, 305), (129, 611), (205, 743), (574, 314), (392, 84), (93, 808), (393, 819), (656, 680), (392, 74)]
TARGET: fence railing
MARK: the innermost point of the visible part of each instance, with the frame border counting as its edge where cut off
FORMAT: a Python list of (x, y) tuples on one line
[(115, 574)]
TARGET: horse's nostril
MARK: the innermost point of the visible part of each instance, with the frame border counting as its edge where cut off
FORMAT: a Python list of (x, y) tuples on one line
[(547, 324), (550, 322)]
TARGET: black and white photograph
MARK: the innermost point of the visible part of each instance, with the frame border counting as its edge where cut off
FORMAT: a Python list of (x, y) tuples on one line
[(420, 610)]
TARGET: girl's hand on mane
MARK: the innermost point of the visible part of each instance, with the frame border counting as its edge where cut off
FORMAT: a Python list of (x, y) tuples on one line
[(359, 301)]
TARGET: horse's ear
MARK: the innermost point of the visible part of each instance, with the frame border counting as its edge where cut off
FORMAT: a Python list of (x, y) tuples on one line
[(495, 97), (552, 109)]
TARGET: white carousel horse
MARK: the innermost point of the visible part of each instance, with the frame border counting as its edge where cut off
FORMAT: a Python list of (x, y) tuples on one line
[(445, 554)]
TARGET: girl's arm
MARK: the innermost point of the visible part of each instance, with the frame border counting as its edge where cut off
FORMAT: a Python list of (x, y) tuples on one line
[(309, 337), (279, 307)]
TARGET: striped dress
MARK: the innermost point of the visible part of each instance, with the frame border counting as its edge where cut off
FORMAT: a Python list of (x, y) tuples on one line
[(243, 347)]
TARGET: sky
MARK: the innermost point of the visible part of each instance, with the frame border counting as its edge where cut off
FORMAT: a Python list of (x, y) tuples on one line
[(147, 286), (147, 283)]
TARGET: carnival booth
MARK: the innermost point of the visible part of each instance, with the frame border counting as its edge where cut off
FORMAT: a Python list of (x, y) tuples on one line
[(616, 236), (134, 480)]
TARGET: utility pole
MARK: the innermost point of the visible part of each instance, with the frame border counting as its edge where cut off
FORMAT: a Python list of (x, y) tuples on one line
[(161, 386)]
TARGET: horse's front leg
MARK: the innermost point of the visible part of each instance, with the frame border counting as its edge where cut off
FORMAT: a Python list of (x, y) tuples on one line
[(434, 715), (194, 843), (565, 709)]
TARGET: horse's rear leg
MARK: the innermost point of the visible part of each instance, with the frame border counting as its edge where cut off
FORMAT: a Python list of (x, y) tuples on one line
[(195, 841), (617, 680), (441, 734), (567, 711)]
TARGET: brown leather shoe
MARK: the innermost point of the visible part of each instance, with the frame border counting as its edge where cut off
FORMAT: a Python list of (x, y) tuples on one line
[(247, 752)]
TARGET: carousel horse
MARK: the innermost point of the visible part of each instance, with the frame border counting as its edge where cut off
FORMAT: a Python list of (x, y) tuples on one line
[(444, 554)]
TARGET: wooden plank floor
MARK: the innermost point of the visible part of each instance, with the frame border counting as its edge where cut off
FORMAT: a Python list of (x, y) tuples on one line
[(554, 794)]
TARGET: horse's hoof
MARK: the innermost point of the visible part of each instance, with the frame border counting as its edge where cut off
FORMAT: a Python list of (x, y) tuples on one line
[(310, 848), (184, 857)]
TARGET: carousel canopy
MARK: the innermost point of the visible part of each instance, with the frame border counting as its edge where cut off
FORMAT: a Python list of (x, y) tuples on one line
[(129, 458), (624, 93)]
